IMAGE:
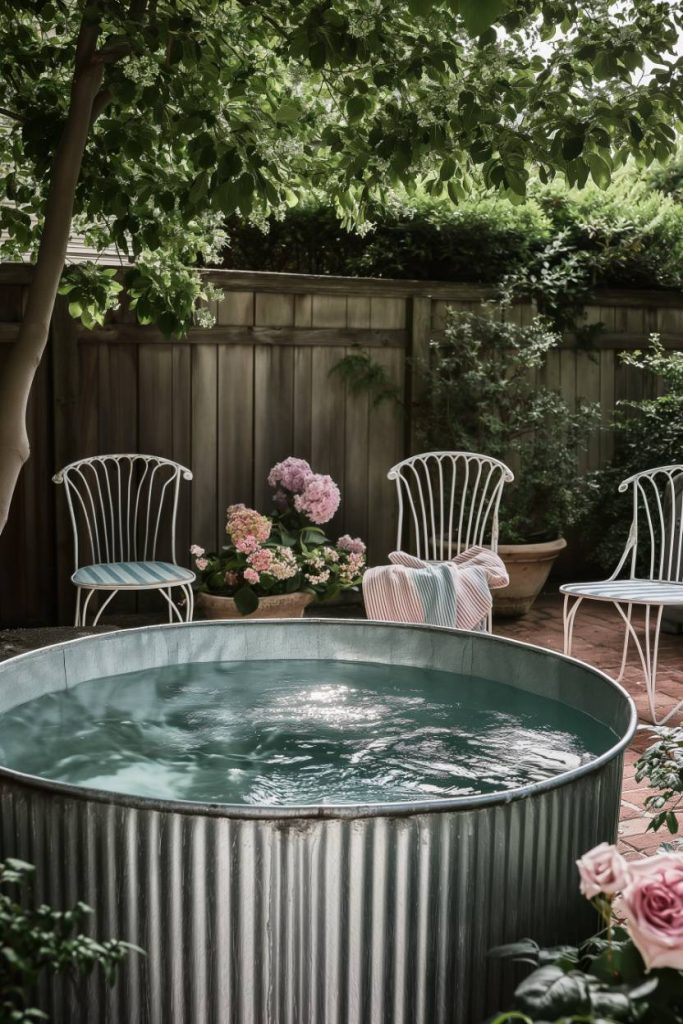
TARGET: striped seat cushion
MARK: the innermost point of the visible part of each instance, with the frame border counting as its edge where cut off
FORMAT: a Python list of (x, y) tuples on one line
[(132, 574), (628, 591)]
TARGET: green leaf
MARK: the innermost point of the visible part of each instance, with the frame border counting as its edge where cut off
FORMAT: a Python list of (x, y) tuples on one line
[(246, 600), (288, 111), (572, 146), (549, 993), (479, 15), (355, 108), (600, 170), (420, 7)]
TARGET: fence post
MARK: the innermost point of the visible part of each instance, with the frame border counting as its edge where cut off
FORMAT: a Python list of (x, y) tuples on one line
[(418, 352)]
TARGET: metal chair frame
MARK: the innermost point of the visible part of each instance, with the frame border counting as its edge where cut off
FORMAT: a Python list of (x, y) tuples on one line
[(657, 496), (120, 498), (452, 501)]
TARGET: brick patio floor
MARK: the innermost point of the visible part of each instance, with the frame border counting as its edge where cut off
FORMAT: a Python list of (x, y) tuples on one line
[(598, 638)]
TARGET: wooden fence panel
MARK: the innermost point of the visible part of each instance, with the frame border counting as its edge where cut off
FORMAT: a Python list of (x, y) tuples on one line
[(230, 400)]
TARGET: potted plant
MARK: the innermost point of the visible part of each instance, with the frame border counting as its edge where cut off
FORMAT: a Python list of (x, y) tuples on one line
[(273, 566), (481, 395)]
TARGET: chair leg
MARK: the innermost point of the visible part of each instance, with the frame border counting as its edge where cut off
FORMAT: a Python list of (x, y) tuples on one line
[(103, 606), (84, 612), (648, 658), (568, 616), (173, 608), (77, 620), (627, 637), (189, 604)]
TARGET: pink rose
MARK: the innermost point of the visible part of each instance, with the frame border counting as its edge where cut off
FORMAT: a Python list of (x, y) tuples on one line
[(319, 499), (201, 563), (653, 906), (251, 576), (196, 551), (602, 870)]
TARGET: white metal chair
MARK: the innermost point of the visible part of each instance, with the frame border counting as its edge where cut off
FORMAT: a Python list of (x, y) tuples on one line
[(121, 504), (653, 561), (448, 502)]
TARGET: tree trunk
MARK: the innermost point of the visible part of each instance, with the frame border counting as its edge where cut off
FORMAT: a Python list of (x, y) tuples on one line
[(27, 351)]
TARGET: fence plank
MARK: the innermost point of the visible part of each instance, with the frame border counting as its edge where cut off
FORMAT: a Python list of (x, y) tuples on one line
[(205, 511), (385, 448), (273, 415), (235, 425)]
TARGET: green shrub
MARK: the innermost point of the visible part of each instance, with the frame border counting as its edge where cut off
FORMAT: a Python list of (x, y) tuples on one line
[(630, 235), (40, 941), (648, 433), (481, 396)]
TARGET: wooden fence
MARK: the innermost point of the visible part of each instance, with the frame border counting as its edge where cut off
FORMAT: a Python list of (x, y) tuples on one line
[(231, 400)]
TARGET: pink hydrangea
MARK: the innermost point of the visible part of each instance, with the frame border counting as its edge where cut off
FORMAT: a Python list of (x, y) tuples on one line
[(291, 474), (261, 560), (248, 526), (202, 563), (247, 545), (319, 499), (351, 571), (196, 551), (251, 576), (354, 545)]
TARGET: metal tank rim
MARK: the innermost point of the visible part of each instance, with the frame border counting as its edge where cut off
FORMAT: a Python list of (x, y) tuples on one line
[(321, 811)]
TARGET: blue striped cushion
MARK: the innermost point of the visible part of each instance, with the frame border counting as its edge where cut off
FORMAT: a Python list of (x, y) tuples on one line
[(634, 591), (131, 574)]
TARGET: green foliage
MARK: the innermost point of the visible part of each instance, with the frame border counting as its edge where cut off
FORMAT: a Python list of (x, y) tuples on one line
[(662, 766), (481, 396), (219, 108), (364, 375), (40, 941), (92, 292), (603, 981), (648, 432)]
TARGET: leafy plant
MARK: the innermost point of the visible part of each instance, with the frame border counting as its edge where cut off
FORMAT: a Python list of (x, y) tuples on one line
[(648, 432), (40, 941), (632, 972), (662, 766), (364, 375), (481, 395)]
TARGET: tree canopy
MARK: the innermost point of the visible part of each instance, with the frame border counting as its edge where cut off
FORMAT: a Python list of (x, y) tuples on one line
[(145, 123), (208, 108)]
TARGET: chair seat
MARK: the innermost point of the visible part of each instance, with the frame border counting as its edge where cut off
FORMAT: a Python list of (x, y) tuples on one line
[(628, 591), (131, 575)]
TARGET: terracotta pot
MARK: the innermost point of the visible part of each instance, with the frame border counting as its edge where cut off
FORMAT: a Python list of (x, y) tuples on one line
[(279, 606), (528, 567)]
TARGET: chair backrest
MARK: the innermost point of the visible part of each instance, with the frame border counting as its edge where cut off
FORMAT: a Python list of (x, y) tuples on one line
[(655, 544), (448, 501), (120, 506)]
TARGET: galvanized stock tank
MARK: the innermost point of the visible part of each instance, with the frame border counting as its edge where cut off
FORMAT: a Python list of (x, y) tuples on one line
[(373, 914)]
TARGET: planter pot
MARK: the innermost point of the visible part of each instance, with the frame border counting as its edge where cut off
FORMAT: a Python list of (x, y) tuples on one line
[(279, 606), (528, 567)]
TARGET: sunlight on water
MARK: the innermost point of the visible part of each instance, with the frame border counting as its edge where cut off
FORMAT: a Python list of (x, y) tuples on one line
[(297, 732)]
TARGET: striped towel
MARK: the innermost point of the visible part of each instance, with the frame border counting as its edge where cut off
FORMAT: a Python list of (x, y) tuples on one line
[(455, 593)]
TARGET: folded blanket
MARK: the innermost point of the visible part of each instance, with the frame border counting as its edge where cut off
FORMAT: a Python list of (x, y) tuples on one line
[(456, 593)]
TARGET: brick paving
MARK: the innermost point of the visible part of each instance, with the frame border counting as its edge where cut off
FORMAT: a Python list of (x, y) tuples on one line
[(598, 638)]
